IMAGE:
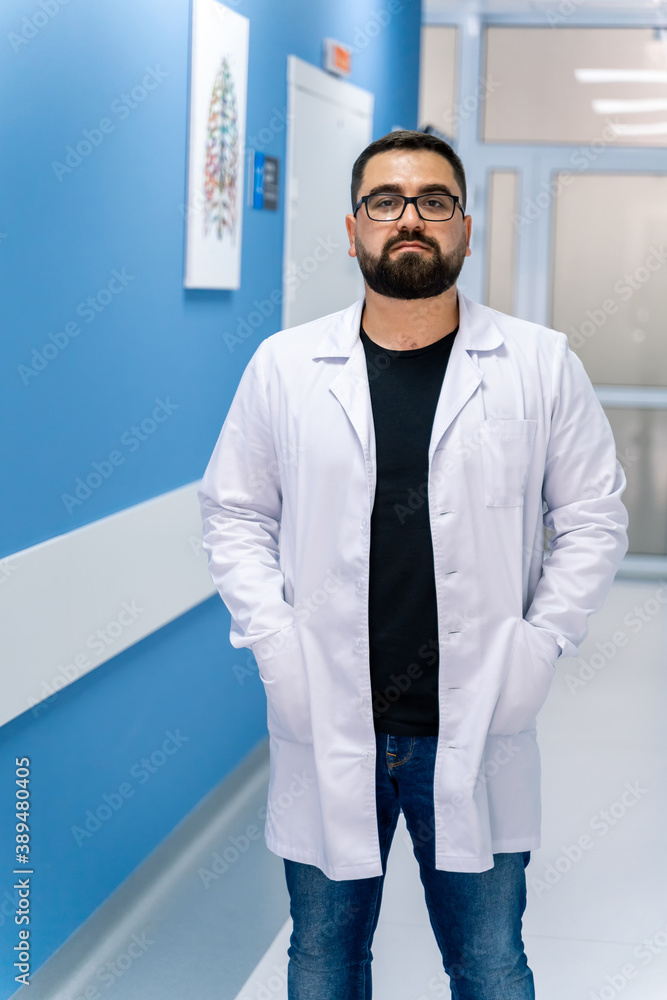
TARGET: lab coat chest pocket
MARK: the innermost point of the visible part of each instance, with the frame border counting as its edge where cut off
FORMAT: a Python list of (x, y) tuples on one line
[(507, 447)]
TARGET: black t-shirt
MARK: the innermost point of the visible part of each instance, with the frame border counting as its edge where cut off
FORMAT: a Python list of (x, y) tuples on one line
[(403, 620)]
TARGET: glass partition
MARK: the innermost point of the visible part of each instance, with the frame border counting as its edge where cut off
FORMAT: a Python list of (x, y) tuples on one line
[(587, 85), (501, 240), (437, 80), (641, 447), (610, 275)]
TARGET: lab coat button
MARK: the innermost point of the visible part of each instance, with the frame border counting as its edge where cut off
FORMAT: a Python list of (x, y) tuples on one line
[(364, 524)]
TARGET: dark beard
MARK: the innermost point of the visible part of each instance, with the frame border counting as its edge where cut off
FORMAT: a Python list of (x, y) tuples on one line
[(411, 275)]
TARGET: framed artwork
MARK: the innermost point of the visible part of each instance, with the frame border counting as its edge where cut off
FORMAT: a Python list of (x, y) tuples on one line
[(216, 144)]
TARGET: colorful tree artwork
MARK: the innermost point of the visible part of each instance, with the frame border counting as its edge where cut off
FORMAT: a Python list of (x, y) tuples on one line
[(221, 161), (216, 144)]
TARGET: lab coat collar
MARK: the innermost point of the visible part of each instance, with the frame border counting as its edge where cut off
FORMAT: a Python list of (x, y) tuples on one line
[(477, 329)]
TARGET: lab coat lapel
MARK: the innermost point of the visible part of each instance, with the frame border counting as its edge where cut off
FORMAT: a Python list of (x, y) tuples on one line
[(476, 333), (462, 377), (350, 386), (351, 389)]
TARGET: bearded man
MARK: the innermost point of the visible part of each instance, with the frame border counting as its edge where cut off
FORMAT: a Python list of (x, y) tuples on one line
[(374, 515)]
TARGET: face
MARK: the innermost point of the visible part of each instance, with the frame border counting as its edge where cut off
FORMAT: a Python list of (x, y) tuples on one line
[(409, 258)]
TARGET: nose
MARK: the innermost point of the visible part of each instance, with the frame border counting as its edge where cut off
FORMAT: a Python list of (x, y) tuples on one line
[(410, 218)]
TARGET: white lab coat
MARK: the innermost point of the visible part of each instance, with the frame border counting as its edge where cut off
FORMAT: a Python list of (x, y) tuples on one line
[(286, 502)]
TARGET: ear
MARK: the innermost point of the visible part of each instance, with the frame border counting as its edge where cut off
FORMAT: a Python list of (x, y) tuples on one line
[(467, 222), (351, 226)]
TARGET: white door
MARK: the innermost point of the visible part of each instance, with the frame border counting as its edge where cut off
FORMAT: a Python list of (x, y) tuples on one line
[(330, 122)]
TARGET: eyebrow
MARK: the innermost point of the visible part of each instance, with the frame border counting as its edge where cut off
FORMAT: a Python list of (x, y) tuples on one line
[(398, 189)]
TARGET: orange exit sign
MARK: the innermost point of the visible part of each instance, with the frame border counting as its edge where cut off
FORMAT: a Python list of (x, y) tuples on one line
[(337, 57)]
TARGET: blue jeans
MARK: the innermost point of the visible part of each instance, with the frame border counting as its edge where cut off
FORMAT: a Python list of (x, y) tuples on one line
[(476, 917)]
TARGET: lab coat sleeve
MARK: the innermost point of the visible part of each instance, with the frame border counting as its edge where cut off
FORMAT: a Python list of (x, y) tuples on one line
[(582, 487), (241, 502)]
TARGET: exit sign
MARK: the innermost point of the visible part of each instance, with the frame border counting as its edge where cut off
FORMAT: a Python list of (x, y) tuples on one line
[(337, 57)]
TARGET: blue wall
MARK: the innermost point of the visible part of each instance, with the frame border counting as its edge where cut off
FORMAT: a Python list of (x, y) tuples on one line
[(62, 237)]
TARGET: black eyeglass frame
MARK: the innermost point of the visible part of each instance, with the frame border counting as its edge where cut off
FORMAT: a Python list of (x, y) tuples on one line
[(409, 201)]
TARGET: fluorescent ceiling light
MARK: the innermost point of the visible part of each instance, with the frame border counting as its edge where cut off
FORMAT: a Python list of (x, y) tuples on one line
[(643, 128), (621, 75), (614, 107)]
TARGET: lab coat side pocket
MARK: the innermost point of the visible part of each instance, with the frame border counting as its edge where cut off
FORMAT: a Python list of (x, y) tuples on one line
[(507, 447), (283, 673), (527, 681)]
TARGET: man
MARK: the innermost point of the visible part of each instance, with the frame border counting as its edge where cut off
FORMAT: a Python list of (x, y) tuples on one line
[(374, 516)]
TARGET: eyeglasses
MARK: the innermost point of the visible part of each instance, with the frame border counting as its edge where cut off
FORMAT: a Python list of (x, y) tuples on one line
[(434, 207)]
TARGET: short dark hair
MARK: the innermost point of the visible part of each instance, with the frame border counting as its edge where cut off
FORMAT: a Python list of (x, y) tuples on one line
[(408, 139)]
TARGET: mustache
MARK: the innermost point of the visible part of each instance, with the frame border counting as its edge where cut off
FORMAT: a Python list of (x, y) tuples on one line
[(411, 237)]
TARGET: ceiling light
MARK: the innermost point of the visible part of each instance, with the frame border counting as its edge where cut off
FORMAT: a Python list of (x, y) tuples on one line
[(621, 75), (620, 107), (639, 129)]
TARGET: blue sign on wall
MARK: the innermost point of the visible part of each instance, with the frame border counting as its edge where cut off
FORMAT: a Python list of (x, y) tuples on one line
[(265, 181)]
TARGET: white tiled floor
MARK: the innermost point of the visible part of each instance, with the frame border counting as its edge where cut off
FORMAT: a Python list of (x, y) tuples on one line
[(584, 931)]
